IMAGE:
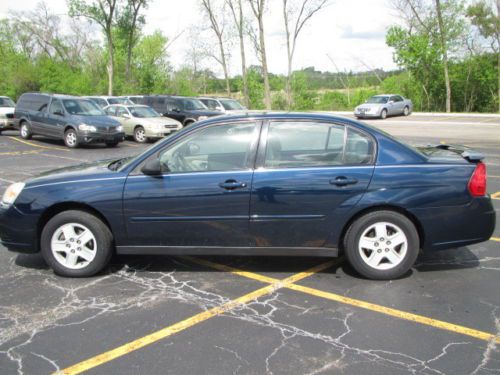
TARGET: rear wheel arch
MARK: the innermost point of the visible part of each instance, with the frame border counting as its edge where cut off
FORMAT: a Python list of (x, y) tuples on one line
[(56, 209), (394, 208)]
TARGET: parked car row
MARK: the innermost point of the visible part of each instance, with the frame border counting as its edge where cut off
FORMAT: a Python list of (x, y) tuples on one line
[(106, 119)]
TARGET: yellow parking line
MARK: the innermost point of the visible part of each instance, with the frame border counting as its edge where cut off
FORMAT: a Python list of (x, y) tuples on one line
[(39, 146), (493, 176), (495, 195), (495, 239), (359, 303), (189, 322)]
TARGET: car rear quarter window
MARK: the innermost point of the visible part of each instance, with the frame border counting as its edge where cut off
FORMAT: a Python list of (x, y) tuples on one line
[(33, 102), (309, 144)]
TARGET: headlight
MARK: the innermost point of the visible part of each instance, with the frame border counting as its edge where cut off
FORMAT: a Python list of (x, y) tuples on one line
[(12, 193), (202, 118), (119, 128), (87, 128)]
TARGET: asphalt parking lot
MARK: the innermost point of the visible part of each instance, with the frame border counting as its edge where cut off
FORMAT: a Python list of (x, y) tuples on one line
[(253, 315)]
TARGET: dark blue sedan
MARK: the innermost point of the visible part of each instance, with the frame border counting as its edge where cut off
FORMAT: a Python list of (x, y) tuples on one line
[(268, 184)]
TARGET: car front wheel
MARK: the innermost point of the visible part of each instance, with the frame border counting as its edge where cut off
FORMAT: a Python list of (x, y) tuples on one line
[(76, 244), (25, 131), (140, 135), (71, 139), (382, 245), (383, 114)]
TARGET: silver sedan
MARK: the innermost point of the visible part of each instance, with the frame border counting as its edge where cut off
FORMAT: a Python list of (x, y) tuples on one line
[(381, 106)]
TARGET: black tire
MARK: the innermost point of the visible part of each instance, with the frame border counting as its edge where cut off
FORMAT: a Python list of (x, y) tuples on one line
[(406, 111), (102, 234), (187, 123), (25, 130), (112, 144), (383, 114), (71, 138), (358, 227), (139, 135)]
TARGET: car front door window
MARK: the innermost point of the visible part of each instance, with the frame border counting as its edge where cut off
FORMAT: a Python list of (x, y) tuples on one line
[(218, 148)]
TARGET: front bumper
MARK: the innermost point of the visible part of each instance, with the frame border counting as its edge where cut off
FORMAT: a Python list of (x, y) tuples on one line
[(366, 114), (18, 231), (98, 137), (7, 123), (160, 134)]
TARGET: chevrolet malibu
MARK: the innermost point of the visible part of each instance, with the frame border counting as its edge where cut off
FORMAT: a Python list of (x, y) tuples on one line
[(267, 184)]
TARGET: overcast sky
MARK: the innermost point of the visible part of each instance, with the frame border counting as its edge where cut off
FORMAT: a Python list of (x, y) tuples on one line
[(351, 32)]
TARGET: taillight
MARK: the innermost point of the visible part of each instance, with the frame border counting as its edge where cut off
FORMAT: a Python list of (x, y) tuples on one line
[(477, 182)]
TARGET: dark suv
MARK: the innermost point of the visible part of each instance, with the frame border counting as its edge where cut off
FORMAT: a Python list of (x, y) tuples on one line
[(76, 120), (183, 109)]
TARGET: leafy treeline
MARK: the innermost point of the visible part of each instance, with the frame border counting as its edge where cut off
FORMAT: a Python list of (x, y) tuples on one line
[(448, 55)]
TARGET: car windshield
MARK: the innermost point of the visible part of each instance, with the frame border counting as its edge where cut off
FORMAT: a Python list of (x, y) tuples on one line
[(82, 107), (192, 104), (124, 101), (143, 112), (229, 104), (7, 102), (378, 99)]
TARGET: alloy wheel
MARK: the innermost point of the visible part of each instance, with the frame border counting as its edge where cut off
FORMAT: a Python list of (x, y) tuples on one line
[(383, 246), (73, 245)]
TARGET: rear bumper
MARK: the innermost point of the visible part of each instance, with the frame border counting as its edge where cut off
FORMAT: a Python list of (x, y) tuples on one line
[(452, 227), (100, 137)]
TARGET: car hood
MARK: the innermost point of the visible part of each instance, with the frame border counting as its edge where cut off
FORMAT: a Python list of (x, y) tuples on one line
[(87, 171), (369, 106), (159, 121), (99, 121), (4, 110)]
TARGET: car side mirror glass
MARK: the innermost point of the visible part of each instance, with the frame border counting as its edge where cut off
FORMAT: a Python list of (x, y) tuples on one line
[(152, 167)]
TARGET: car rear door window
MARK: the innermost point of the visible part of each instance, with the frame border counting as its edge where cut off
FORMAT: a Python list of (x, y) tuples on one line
[(217, 148), (304, 144), (308, 144)]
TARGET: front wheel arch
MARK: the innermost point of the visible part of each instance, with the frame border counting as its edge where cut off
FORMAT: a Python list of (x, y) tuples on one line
[(52, 211), (397, 209)]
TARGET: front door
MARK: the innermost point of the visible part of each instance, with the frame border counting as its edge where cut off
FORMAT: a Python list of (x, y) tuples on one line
[(309, 176), (202, 198), (55, 122)]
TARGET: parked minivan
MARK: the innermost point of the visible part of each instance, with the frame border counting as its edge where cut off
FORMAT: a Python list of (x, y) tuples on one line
[(75, 120), (183, 109)]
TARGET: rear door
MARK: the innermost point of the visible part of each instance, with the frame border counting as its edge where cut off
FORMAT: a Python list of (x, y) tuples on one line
[(39, 115), (309, 176)]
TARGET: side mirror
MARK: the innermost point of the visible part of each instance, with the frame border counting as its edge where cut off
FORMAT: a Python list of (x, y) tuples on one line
[(59, 113), (219, 108), (152, 167), (391, 102), (175, 110), (126, 115)]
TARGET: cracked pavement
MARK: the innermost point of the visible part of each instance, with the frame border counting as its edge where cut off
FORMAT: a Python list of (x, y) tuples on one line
[(48, 323)]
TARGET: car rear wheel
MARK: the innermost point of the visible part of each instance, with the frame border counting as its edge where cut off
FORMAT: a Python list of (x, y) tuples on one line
[(406, 111), (383, 114), (382, 245), (25, 131), (76, 244), (71, 139), (140, 135)]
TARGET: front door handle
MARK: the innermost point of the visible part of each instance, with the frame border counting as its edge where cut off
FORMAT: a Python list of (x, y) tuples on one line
[(232, 185), (343, 181)]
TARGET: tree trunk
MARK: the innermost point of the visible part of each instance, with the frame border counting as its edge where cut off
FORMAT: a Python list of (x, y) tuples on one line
[(267, 89), (288, 83), (110, 66), (246, 96), (224, 66), (445, 56)]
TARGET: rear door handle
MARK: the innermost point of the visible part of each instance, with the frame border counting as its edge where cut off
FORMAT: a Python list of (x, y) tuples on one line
[(343, 181), (232, 185)]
